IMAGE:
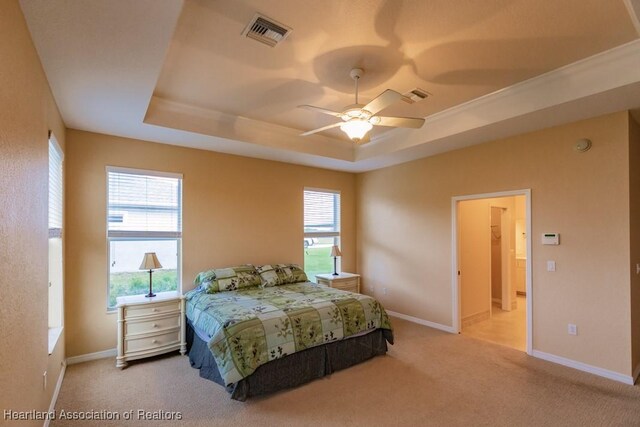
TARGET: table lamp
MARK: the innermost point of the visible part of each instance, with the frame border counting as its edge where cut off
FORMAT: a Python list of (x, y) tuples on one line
[(150, 262), (335, 253)]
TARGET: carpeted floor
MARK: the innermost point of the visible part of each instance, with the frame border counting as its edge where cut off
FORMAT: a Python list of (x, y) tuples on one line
[(428, 378)]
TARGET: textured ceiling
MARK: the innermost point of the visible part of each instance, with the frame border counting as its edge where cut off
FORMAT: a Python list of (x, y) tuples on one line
[(457, 50)]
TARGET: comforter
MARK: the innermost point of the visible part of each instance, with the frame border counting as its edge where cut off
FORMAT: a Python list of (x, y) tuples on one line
[(250, 327)]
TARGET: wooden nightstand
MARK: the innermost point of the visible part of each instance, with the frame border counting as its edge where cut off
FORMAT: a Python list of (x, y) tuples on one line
[(345, 281), (150, 326)]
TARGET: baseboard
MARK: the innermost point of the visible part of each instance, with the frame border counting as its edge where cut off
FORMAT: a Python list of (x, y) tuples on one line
[(612, 375), (56, 391), (112, 352), (498, 302), (476, 318), (636, 373), (433, 325)]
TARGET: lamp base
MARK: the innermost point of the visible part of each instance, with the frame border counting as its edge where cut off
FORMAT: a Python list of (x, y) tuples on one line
[(150, 294)]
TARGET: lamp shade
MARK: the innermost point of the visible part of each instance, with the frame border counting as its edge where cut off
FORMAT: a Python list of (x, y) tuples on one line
[(150, 262), (335, 251), (356, 128)]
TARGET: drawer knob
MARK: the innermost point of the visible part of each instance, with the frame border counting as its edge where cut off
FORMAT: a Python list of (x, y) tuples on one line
[(155, 325), (155, 309), (154, 342)]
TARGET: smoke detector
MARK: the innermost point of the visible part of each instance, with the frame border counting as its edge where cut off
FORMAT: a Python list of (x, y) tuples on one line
[(415, 95), (266, 30)]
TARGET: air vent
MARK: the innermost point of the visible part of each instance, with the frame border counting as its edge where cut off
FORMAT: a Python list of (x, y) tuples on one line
[(415, 95), (266, 30)]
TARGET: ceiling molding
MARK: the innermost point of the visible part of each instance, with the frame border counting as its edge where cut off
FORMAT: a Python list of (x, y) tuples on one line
[(605, 71), (620, 99), (633, 7), (175, 115)]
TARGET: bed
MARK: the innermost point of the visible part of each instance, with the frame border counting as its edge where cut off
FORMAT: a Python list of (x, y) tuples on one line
[(255, 340)]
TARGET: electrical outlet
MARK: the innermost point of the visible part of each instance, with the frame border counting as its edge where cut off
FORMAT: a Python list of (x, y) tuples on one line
[(44, 380), (637, 268), (384, 291), (572, 329), (551, 266)]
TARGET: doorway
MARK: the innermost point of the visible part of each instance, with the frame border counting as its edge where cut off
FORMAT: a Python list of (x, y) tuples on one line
[(491, 269)]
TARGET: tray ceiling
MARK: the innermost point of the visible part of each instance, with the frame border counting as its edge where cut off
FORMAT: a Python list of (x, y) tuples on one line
[(181, 72)]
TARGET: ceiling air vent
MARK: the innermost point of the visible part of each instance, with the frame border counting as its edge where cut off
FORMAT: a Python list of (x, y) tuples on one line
[(415, 95), (266, 30)]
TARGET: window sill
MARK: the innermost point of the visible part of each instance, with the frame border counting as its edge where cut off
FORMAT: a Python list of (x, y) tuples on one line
[(54, 337)]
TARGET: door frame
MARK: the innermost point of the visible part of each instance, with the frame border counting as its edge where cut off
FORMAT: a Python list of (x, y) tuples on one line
[(455, 282)]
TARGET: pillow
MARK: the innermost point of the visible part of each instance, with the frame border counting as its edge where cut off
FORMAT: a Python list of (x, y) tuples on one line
[(228, 279), (280, 274)]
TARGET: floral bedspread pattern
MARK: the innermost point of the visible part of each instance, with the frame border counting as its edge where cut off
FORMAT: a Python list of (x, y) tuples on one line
[(252, 326)]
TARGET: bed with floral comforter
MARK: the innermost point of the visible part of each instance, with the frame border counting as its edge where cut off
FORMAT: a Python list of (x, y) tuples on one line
[(249, 327)]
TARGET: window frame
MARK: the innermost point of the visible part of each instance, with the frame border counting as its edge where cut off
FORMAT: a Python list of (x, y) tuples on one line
[(318, 234), (125, 236), (54, 332)]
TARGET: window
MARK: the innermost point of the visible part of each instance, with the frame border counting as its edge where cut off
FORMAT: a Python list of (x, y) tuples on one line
[(144, 214), (321, 230), (55, 301)]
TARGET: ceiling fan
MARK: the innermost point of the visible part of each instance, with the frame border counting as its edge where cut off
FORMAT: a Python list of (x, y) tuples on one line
[(359, 119)]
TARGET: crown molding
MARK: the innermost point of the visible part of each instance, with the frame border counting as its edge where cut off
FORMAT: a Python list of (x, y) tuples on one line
[(633, 7), (599, 73), (176, 115)]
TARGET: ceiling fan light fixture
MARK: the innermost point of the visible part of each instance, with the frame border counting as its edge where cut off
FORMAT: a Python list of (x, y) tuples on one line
[(356, 128), (358, 119)]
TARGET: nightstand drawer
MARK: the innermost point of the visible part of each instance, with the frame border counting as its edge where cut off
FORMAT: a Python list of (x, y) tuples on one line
[(345, 284), (135, 327), (162, 340), (353, 288), (132, 311)]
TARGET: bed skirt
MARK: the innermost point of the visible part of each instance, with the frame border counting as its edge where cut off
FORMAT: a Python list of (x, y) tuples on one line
[(292, 370)]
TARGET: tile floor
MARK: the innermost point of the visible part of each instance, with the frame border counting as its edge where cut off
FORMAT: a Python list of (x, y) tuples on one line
[(508, 328)]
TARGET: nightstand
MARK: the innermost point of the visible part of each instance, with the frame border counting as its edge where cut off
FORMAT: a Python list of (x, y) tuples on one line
[(150, 326), (345, 281)]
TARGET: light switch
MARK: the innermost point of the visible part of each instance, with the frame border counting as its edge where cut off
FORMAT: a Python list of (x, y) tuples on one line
[(551, 266), (637, 268)]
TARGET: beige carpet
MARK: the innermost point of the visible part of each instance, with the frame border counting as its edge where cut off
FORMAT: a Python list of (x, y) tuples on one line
[(428, 378)]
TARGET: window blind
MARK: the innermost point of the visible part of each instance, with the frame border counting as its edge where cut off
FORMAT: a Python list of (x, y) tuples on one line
[(321, 213), (55, 190), (144, 205)]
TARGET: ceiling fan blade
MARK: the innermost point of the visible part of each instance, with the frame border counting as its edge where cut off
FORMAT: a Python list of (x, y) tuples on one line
[(321, 110), (383, 100), (321, 129), (399, 122)]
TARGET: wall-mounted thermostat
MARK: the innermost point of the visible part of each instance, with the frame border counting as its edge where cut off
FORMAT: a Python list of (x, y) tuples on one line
[(550, 238)]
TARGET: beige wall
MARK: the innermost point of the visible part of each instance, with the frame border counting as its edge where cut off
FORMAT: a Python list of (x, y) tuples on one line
[(27, 113), (476, 259), (404, 233), (634, 201), (235, 210), (521, 227), (496, 253)]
